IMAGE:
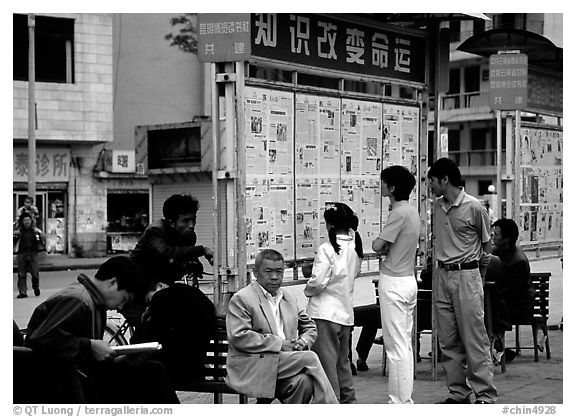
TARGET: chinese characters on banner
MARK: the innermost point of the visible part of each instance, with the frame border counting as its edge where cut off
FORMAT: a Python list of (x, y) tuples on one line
[(508, 81), (541, 186), (336, 150), (223, 37), (52, 164), (338, 45)]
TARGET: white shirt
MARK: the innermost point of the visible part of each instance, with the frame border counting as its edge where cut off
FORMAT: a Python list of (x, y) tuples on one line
[(331, 286), (274, 302)]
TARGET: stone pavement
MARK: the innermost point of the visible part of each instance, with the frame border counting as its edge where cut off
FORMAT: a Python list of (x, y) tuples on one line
[(524, 382)]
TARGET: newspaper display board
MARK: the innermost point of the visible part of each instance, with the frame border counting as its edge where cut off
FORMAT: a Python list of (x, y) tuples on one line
[(269, 171), (303, 150), (541, 186)]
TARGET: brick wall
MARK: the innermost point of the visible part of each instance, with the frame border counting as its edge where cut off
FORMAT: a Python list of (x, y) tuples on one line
[(78, 112)]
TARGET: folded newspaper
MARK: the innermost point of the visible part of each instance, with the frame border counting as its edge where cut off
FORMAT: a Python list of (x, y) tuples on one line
[(137, 348)]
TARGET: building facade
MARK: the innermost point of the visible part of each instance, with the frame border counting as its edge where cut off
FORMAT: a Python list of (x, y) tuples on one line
[(74, 115)]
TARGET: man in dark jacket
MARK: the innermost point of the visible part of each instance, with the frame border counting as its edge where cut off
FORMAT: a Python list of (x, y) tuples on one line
[(69, 326), (514, 283), (29, 242), (167, 248), (169, 243)]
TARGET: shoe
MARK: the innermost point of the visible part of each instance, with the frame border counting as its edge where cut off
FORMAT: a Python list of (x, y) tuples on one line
[(541, 343), (22, 296), (37, 292), (379, 340), (481, 402), (361, 365), (453, 401), (353, 368)]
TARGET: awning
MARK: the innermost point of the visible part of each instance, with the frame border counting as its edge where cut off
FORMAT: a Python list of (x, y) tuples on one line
[(541, 51)]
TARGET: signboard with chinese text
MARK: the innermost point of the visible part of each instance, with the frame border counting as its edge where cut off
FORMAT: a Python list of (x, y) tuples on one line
[(325, 42), (52, 164), (508, 81), (223, 37)]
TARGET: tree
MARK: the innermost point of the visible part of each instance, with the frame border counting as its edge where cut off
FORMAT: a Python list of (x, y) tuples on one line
[(186, 39)]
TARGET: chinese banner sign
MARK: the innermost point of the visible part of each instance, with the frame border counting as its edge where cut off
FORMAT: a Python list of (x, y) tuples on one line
[(52, 165), (329, 43), (223, 37)]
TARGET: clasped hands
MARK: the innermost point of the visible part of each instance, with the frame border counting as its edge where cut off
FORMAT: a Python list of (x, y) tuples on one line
[(291, 345)]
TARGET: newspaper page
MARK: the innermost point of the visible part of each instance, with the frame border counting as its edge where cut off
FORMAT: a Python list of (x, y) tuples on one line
[(541, 185), (256, 141), (269, 131), (307, 213), (269, 215), (400, 133)]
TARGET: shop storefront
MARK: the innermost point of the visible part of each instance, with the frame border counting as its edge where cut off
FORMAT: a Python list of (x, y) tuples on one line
[(52, 175), (128, 215)]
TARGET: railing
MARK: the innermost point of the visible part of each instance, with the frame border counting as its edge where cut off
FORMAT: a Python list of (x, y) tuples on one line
[(465, 100), (479, 158)]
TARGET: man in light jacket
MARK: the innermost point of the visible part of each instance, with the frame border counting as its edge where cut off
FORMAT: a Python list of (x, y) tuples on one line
[(269, 338)]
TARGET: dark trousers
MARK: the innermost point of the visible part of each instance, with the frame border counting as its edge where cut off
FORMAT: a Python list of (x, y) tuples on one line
[(367, 317), (27, 262), (128, 383)]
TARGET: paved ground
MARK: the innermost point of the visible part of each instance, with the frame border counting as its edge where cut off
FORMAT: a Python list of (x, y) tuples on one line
[(525, 382)]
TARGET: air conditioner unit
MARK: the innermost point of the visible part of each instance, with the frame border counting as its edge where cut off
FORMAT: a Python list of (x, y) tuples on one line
[(120, 161)]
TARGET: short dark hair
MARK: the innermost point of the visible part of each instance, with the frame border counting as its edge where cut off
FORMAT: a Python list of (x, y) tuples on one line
[(509, 229), (28, 198), (445, 167), (270, 254), (178, 204), (23, 215), (126, 272), (401, 179)]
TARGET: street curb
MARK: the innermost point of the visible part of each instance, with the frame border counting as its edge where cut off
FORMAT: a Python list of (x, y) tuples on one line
[(51, 268)]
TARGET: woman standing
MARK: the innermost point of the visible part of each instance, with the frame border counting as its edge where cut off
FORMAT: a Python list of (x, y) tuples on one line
[(397, 286), (330, 291)]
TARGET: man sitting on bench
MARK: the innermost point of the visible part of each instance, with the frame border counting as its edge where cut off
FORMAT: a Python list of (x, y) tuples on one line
[(70, 326), (268, 341)]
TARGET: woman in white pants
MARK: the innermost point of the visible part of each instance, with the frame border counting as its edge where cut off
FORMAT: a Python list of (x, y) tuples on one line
[(398, 241)]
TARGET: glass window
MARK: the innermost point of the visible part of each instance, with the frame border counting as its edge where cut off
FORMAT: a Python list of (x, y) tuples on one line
[(54, 49)]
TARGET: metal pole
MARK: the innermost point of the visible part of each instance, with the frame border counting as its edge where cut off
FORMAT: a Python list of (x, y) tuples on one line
[(499, 164), (241, 178), (215, 212), (31, 108), (516, 169), (509, 162)]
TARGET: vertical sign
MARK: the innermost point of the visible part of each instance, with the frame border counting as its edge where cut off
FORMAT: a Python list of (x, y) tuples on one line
[(508, 81), (223, 37)]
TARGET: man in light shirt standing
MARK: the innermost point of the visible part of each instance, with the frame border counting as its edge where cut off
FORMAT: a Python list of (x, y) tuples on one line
[(269, 338)]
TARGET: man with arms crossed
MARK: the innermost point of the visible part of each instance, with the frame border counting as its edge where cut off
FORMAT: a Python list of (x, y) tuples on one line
[(461, 236), (269, 337)]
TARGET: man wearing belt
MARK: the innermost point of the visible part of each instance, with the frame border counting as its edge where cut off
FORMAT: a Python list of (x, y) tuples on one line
[(461, 236)]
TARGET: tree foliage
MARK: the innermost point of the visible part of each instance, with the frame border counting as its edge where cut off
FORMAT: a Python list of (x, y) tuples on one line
[(185, 36)]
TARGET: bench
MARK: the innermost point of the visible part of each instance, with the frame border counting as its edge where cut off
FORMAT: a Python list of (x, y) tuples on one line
[(215, 369), (40, 379), (539, 320)]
